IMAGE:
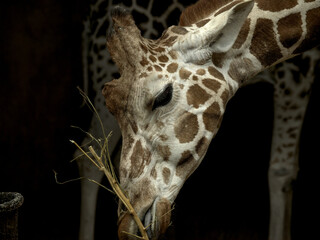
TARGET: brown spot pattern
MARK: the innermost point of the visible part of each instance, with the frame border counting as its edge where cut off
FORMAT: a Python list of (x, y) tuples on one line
[(157, 68), (211, 117), (202, 146), (211, 84), (179, 30), (173, 54), (290, 29), (186, 127), (226, 8), (172, 67), (263, 45), (201, 71), (139, 159), (218, 58), (202, 23), (163, 58), (215, 73), (243, 34), (313, 31), (170, 41), (186, 164), (166, 175), (164, 152), (197, 96), (152, 58), (154, 173), (275, 5), (184, 73), (144, 62)]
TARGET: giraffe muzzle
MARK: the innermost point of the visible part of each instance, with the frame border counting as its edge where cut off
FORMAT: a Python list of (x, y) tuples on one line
[(156, 221)]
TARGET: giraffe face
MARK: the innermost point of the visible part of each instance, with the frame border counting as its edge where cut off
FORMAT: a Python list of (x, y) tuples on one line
[(167, 120), (169, 103)]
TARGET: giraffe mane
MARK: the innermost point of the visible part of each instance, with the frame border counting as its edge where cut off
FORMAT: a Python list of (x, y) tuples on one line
[(200, 10)]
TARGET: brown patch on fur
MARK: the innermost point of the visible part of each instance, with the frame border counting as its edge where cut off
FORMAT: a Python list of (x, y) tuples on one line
[(243, 34), (264, 45), (144, 62), (197, 96), (202, 146), (226, 8), (170, 41), (163, 137), (144, 48), (139, 159), (172, 67), (234, 73), (225, 97), (184, 73), (200, 10), (149, 69), (186, 127), (152, 58), (215, 73), (195, 78), (275, 5), (116, 97), (202, 23), (185, 164), (166, 175), (157, 68), (164, 152), (179, 30), (143, 75), (163, 58), (290, 29), (154, 173), (211, 117), (313, 31), (159, 49), (173, 54), (211, 84), (201, 71), (218, 58)]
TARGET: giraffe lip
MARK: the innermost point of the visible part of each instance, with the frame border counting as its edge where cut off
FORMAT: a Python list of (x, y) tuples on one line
[(157, 218), (149, 220)]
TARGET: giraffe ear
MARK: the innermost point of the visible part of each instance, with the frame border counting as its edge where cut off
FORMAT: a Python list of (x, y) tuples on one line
[(217, 35)]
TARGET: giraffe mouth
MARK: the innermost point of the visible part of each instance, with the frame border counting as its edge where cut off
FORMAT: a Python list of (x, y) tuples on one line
[(156, 221), (157, 218)]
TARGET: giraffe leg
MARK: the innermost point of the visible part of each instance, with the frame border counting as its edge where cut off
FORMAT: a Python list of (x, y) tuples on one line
[(290, 102)]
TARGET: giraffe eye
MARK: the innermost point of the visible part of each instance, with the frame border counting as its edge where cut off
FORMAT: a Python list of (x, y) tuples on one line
[(163, 98)]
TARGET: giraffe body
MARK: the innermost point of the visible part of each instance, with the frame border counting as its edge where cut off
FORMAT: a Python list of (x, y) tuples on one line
[(173, 91)]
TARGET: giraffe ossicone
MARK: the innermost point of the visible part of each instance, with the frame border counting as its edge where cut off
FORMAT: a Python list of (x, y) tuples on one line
[(172, 94)]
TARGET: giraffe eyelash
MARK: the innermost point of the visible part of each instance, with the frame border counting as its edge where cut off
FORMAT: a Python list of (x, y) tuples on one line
[(163, 98)]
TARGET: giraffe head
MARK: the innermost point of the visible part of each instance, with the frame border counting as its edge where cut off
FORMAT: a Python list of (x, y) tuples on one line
[(169, 102)]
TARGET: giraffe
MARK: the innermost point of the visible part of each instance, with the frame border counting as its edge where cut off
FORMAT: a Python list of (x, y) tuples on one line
[(97, 68), (172, 94)]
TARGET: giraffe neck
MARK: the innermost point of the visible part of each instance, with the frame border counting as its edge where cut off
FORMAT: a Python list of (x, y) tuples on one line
[(268, 37)]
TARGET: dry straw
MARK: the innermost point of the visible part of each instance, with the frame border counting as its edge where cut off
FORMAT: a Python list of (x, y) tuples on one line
[(103, 163)]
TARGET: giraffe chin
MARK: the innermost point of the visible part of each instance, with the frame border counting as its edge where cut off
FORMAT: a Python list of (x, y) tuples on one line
[(156, 220)]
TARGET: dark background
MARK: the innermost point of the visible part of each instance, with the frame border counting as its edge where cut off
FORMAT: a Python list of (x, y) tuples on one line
[(226, 198)]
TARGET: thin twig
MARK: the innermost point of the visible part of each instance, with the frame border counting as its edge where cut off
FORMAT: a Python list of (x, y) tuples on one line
[(116, 188)]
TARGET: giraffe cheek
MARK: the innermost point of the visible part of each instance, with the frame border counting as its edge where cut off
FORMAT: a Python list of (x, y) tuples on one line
[(186, 127), (212, 117)]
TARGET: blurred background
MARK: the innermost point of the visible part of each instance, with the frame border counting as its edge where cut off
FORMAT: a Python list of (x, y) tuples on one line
[(226, 198)]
